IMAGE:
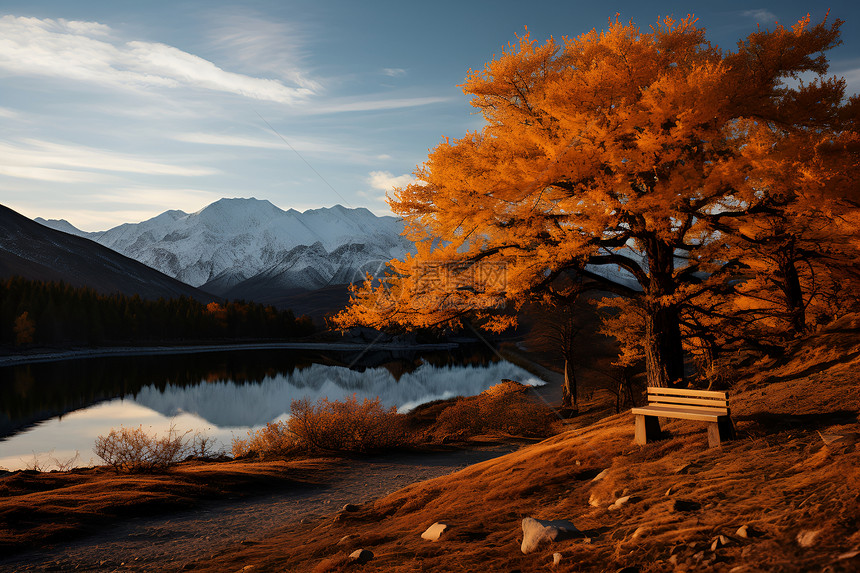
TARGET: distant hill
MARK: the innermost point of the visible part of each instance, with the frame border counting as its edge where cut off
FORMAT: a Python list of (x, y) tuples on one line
[(37, 252), (250, 249)]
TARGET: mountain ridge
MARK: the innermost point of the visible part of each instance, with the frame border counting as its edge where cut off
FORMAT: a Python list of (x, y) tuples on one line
[(247, 241)]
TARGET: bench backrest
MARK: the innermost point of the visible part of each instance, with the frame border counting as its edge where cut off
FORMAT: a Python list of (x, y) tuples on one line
[(705, 400)]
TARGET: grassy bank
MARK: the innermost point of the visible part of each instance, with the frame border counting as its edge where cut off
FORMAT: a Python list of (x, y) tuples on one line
[(794, 490)]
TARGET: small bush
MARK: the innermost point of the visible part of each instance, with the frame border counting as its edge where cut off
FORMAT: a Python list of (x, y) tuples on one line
[(134, 450), (511, 413), (325, 425), (274, 441), (347, 426)]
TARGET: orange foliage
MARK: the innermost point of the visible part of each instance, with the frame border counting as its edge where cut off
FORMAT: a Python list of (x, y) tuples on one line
[(625, 148)]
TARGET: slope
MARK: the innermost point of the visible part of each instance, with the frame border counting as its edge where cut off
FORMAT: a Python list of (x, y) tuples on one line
[(36, 252), (782, 497)]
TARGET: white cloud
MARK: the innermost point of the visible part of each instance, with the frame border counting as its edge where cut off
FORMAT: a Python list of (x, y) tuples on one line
[(49, 174), (386, 181), (8, 113), (394, 72), (376, 104), (760, 15), (31, 155), (230, 140), (273, 141), (82, 51), (263, 45)]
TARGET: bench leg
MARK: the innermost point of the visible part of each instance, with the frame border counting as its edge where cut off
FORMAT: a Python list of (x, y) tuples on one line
[(647, 429), (719, 431)]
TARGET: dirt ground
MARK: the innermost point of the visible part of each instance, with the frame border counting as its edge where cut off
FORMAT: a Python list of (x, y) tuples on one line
[(169, 541)]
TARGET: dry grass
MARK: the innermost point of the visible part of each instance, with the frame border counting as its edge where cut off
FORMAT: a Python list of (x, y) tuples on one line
[(37, 508), (779, 478)]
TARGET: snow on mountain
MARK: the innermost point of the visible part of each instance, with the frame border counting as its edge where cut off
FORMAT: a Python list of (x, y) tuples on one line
[(233, 241)]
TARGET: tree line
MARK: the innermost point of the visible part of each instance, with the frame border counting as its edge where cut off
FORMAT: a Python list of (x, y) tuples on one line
[(35, 312)]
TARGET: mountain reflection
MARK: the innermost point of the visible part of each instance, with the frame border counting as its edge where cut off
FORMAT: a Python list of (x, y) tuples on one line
[(228, 404), (30, 394)]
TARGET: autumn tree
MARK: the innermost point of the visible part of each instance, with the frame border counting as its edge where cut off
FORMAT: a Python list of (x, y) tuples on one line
[(616, 155)]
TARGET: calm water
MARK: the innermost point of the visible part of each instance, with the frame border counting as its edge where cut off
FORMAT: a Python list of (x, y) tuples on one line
[(53, 412)]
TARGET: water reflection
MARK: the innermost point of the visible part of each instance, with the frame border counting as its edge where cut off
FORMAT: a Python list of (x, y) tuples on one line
[(62, 407)]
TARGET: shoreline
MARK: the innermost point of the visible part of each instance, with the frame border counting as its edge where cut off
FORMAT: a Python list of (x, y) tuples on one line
[(83, 353)]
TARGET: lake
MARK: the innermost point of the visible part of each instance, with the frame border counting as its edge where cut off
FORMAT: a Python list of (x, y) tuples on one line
[(51, 413)]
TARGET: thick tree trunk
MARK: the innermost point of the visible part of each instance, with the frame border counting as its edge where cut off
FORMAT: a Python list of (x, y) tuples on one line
[(664, 355), (568, 391)]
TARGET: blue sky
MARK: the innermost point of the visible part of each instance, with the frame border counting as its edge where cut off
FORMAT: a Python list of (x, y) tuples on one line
[(115, 111)]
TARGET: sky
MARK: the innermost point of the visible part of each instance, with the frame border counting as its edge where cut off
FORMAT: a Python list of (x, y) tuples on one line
[(117, 111)]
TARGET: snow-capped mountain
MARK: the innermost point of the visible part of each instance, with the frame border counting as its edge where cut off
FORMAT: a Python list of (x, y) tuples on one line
[(242, 247)]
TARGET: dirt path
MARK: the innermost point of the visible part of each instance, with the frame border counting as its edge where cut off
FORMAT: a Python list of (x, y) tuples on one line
[(168, 543)]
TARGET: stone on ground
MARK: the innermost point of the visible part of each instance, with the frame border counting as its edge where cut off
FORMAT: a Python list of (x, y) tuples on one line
[(361, 556), (434, 532), (539, 531)]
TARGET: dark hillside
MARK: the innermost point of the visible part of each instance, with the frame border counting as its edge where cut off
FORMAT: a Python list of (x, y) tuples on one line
[(36, 252)]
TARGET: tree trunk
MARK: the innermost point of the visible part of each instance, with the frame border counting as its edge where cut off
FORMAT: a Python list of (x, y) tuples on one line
[(664, 355), (568, 391), (793, 297)]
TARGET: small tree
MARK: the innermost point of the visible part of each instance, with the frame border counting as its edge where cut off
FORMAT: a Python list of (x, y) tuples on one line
[(25, 328)]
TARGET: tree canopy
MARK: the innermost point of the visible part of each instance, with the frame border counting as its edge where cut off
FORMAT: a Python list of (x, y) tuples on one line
[(631, 157)]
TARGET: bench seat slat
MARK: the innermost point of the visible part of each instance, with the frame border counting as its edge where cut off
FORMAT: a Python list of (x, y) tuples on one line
[(681, 400), (705, 415), (685, 392)]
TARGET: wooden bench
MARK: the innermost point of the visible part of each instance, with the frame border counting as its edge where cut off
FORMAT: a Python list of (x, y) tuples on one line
[(701, 405)]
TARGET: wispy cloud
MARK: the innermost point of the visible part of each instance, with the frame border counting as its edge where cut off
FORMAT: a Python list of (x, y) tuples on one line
[(50, 174), (394, 72), (8, 113), (38, 159), (376, 104), (273, 47), (87, 52), (760, 15), (296, 143), (229, 140)]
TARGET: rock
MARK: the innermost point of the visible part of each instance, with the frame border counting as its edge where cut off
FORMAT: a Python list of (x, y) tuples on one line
[(361, 556), (350, 507), (641, 531), (622, 501), (807, 537), (593, 500), (556, 558), (347, 538), (434, 532), (601, 475), (628, 570), (686, 505), (743, 532), (848, 555), (719, 541), (539, 531)]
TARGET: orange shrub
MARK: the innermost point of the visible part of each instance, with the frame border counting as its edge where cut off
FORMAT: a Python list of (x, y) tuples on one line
[(347, 426)]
